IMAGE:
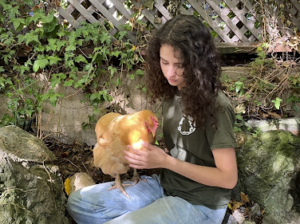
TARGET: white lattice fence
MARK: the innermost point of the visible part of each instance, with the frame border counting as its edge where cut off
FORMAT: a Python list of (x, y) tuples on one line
[(97, 11), (231, 21)]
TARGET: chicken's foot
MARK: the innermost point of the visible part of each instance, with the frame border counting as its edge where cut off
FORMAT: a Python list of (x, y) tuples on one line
[(118, 185), (136, 177)]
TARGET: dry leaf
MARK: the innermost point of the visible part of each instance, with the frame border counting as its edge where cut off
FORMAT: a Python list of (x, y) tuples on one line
[(240, 109), (247, 212), (264, 116), (67, 185), (244, 197), (229, 206), (286, 64), (274, 115), (240, 139), (236, 205)]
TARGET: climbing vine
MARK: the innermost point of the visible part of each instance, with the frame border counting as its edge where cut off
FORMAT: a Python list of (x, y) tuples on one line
[(271, 89), (39, 53)]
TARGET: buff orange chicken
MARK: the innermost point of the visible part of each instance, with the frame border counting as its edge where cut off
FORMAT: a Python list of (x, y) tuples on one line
[(114, 132)]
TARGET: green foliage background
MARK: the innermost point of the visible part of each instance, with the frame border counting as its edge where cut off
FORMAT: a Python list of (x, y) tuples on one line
[(55, 53)]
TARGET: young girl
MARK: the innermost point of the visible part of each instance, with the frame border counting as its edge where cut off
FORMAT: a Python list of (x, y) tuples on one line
[(196, 178)]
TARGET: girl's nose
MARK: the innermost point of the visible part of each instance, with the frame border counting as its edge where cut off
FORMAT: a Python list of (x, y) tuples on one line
[(171, 71)]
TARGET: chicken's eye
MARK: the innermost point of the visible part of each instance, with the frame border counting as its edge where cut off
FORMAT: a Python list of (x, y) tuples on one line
[(147, 127)]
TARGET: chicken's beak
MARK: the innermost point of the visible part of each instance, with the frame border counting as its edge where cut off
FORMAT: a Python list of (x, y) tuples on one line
[(153, 132)]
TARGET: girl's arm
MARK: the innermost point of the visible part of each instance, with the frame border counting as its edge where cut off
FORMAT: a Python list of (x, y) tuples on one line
[(223, 175)]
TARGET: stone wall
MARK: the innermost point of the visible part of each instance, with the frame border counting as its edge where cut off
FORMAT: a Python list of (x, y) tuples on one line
[(65, 121)]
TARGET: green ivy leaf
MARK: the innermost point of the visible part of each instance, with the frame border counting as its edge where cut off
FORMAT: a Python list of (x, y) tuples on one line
[(139, 72), (28, 20), (116, 53), (71, 48), (93, 96), (122, 34), (79, 83), (69, 55), (73, 75), (277, 102), (118, 82), (29, 2), (62, 33), (48, 19), (2, 82), (88, 67), (17, 22), (70, 63), (31, 37), (39, 48), (49, 22), (40, 64), (22, 69), (68, 83), (21, 38), (239, 117), (85, 33), (12, 12), (60, 44), (54, 59), (38, 14), (52, 44), (80, 58), (54, 82), (105, 97), (105, 38), (8, 41), (79, 42), (53, 99), (98, 57), (6, 7), (112, 70), (238, 86)]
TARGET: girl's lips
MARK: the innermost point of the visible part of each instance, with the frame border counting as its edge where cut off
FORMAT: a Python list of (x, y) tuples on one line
[(171, 80)]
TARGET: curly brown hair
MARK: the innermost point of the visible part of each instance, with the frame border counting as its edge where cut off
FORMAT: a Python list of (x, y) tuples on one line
[(189, 36)]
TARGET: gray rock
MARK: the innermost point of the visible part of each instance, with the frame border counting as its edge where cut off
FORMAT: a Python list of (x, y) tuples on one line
[(80, 180), (22, 146), (30, 192), (269, 167)]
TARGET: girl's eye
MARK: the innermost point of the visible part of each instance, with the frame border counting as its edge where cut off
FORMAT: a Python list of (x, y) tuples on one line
[(164, 63), (180, 66)]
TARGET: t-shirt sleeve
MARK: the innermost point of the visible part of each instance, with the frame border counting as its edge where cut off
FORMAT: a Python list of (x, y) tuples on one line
[(223, 136)]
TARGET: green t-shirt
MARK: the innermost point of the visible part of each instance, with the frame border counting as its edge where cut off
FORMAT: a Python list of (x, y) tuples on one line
[(196, 148)]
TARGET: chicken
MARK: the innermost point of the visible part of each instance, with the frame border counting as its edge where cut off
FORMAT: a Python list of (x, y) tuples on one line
[(114, 132)]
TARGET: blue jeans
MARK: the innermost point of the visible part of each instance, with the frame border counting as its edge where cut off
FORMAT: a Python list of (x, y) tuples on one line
[(147, 205)]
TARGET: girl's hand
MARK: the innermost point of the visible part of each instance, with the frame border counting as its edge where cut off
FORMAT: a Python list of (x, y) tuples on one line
[(153, 157)]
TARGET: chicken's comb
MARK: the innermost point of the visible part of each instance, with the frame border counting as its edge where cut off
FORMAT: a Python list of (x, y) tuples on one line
[(155, 122)]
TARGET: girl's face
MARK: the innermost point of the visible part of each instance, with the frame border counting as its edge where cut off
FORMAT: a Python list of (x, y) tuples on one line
[(171, 66)]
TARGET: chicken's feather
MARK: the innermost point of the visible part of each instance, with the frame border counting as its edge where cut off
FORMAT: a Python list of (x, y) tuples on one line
[(103, 123), (114, 132)]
